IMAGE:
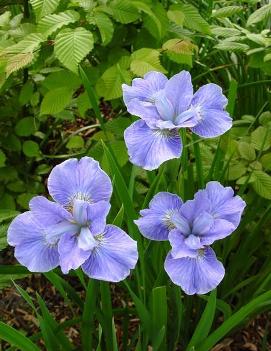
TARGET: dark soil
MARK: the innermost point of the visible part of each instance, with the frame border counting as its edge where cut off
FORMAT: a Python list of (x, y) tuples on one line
[(255, 336)]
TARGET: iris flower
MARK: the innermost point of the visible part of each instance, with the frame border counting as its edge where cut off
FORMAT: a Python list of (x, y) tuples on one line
[(72, 231), (165, 106), (191, 228)]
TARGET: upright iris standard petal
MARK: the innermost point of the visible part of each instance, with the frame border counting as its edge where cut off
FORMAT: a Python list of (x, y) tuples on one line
[(144, 89), (179, 91), (156, 222), (149, 148), (113, 258), (79, 179), (208, 105), (32, 250), (224, 204), (197, 275)]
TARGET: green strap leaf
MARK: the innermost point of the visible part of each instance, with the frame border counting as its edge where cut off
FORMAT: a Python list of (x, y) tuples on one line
[(17, 339), (205, 323), (234, 320), (72, 45)]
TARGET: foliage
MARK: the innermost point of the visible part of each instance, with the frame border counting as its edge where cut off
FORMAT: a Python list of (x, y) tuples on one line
[(62, 64)]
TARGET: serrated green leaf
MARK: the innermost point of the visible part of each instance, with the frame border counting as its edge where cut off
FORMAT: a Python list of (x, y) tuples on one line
[(145, 60), (246, 151), (229, 45), (44, 7), (30, 43), (179, 46), (176, 16), (261, 138), (259, 15), (192, 18), (266, 161), (55, 101), (109, 85), (72, 46), (50, 23), (141, 6), (227, 11), (225, 32), (123, 11), (262, 184)]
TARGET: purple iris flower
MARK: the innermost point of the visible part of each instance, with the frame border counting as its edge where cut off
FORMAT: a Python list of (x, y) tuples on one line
[(191, 228), (72, 231), (164, 106)]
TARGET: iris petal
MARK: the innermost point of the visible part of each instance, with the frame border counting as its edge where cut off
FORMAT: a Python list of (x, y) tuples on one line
[(195, 275), (113, 258), (149, 148)]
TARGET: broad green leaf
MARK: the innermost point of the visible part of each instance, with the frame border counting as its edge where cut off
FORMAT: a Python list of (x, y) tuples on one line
[(3, 237), (261, 138), (7, 214), (176, 16), (225, 32), (145, 60), (2, 158), (18, 61), (75, 142), (17, 339), (61, 79), (26, 92), (50, 23), (227, 11), (141, 6), (44, 7), (105, 26), (28, 45), (31, 148), (237, 318), (259, 15), (246, 151), (205, 323), (235, 171), (266, 161), (262, 184), (265, 118), (55, 101), (109, 85), (179, 46), (123, 11), (72, 46), (192, 18), (228, 45), (25, 126)]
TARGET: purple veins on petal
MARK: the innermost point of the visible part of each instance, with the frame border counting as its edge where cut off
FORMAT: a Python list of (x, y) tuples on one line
[(32, 249), (156, 221), (208, 104), (149, 148), (195, 275), (144, 89), (114, 256), (79, 179)]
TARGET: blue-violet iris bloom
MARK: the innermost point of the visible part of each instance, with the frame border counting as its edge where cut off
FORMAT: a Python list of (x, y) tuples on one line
[(191, 228), (164, 106), (72, 231)]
